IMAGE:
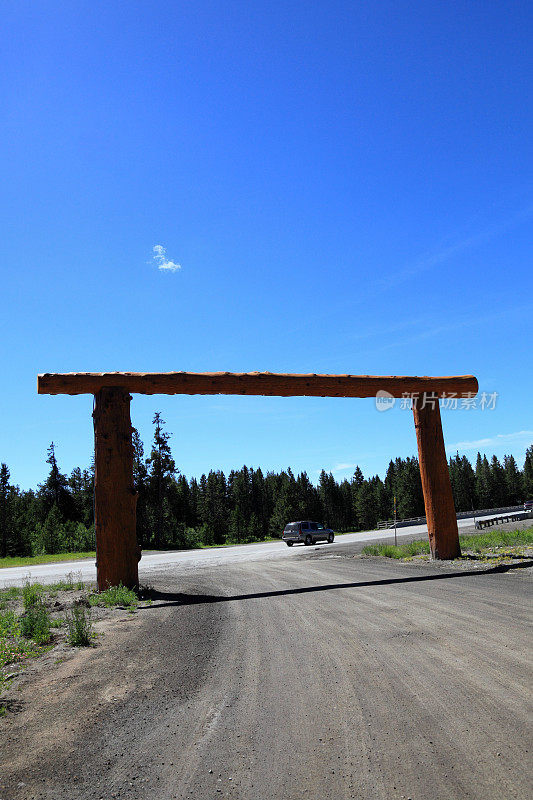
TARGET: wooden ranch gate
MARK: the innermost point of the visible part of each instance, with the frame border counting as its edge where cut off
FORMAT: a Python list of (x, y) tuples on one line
[(115, 498)]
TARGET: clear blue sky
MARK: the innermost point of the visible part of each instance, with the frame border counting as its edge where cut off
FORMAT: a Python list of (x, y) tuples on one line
[(347, 187)]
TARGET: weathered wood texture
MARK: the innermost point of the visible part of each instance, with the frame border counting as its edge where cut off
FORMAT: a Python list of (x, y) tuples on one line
[(115, 499), (438, 499), (252, 383)]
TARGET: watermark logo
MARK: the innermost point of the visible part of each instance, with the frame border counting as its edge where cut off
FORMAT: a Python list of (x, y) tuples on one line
[(384, 400), (468, 401)]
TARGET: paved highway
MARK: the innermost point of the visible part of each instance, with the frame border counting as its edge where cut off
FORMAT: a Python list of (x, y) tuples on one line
[(153, 563)]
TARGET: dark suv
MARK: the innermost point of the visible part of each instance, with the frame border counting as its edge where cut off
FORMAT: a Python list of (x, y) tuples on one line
[(306, 532)]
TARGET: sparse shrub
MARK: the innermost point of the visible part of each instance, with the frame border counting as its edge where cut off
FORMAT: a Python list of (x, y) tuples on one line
[(80, 629), (35, 624), (32, 594)]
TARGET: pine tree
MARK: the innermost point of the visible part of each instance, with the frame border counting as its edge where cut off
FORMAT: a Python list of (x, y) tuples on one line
[(410, 499), (346, 515), (329, 498), (357, 481), (307, 499), (259, 501), (55, 490), (285, 503), (358, 477), (140, 484), (5, 511), (383, 504), (366, 506), (161, 470), (81, 485), (53, 533), (214, 507), (483, 482), (513, 481), (180, 498), (239, 489), (282, 514), (194, 503), (25, 514), (497, 484), (528, 474), (463, 481), (390, 478)]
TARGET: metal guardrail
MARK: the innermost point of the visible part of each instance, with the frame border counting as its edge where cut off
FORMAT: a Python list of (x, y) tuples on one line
[(487, 523), (480, 512)]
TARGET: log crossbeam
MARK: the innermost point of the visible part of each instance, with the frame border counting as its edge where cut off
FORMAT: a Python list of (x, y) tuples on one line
[(115, 500), (255, 383)]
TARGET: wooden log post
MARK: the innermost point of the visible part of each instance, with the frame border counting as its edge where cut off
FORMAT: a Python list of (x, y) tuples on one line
[(115, 499), (438, 498)]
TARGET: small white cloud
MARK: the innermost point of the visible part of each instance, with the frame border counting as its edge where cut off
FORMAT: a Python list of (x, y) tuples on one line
[(501, 439), (160, 258), (343, 467)]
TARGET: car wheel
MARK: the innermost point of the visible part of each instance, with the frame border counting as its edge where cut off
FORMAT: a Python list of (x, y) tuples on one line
[(289, 544), (309, 539), (330, 538)]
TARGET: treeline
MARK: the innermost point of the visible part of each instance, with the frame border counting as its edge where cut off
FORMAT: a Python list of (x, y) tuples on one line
[(245, 506)]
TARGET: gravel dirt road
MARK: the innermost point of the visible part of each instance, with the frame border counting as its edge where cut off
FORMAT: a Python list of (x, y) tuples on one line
[(318, 678)]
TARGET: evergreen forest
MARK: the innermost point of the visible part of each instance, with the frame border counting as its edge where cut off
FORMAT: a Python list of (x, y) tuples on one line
[(245, 506)]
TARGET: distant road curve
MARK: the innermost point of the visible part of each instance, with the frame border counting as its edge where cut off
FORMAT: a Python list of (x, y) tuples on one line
[(153, 563)]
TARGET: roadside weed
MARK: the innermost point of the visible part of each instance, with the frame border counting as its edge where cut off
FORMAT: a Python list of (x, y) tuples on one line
[(80, 631), (35, 624), (32, 594)]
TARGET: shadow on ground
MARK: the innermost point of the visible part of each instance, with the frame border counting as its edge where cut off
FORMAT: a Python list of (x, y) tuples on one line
[(183, 599)]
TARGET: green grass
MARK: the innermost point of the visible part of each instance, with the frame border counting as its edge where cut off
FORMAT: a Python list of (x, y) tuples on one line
[(398, 551), (28, 561), (478, 543), (496, 538), (115, 596)]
